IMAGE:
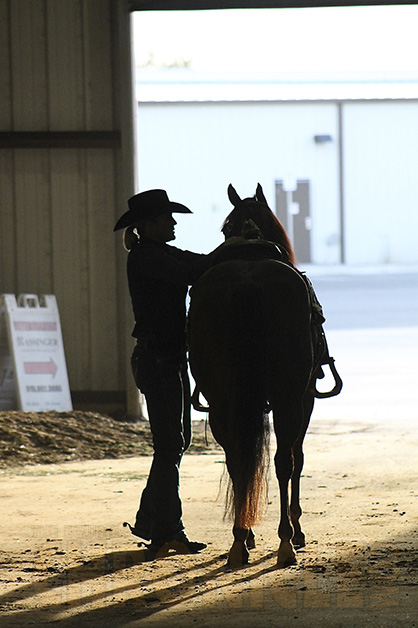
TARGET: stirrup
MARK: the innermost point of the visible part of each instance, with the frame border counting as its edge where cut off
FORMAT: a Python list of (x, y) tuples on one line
[(196, 403), (337, 379)]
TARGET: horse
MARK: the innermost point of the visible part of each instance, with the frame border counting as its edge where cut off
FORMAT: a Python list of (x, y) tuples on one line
[(251, 352)]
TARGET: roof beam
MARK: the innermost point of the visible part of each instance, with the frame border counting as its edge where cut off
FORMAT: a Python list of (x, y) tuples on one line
[(60, 139), (189, 5)]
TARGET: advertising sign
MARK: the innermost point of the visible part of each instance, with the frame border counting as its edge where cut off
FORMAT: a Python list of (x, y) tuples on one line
[(37, 350)]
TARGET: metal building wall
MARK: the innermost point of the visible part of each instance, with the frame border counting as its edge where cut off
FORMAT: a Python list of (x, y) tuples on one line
[(201, 147), (363, 183), (380, 166), (66, 169)]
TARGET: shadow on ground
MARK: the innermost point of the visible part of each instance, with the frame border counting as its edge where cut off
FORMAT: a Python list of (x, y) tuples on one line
[(341, 586)]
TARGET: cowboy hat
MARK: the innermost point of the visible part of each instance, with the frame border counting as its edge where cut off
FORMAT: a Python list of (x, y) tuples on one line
[(148, 205)]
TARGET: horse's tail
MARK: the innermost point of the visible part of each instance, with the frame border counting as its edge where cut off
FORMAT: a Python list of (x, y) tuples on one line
[(248, 458)]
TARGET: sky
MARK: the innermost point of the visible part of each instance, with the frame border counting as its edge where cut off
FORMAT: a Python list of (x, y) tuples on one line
[(334, 39)]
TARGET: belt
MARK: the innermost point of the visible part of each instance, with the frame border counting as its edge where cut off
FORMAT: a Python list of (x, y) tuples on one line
[(150, 344)]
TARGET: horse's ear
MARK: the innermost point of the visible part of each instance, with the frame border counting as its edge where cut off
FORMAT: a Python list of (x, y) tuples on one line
[(259, 195), (233, 196)]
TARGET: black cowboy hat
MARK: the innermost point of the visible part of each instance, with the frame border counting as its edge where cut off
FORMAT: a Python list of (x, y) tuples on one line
[(149, 204)]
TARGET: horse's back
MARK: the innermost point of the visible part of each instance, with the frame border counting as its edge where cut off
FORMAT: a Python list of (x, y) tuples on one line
[(269, 274), (268, 283)]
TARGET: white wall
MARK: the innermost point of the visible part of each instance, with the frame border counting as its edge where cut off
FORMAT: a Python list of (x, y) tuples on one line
[(381, 165), (195, 150)]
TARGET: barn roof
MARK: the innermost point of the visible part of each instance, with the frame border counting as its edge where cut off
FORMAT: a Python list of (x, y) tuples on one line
[(185, 85)]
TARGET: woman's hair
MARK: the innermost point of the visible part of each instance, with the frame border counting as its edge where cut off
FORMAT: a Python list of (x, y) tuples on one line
[(130, 237)]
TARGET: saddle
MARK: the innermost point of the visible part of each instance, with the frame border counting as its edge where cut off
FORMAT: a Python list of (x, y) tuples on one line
[(249, 250)]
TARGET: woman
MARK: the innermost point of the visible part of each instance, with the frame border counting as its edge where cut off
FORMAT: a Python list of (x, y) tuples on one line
[(158, 278)]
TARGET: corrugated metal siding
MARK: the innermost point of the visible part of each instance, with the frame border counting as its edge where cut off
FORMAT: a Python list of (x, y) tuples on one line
[(188, 85), (58, 205)]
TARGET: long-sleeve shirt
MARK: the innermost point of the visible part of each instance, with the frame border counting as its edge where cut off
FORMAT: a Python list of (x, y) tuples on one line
[(158, 276)]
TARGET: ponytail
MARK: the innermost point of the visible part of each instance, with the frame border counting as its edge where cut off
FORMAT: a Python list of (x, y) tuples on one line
[(130, 237)]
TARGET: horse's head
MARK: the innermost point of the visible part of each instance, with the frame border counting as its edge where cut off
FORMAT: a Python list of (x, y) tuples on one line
[(253, 218)]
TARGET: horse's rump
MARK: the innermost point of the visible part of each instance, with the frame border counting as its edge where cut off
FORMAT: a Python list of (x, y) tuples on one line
[(249, 315)]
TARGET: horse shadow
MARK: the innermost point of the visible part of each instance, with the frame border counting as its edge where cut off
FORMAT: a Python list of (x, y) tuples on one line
[(118, 613)]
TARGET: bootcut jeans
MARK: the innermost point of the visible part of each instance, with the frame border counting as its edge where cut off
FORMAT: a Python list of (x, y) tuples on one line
[(164, 381)]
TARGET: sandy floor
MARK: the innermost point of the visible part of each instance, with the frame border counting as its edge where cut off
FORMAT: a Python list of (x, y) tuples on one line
[(66, 560)]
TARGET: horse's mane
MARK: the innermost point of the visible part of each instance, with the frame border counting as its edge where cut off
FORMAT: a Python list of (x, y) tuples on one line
[(254, 212)]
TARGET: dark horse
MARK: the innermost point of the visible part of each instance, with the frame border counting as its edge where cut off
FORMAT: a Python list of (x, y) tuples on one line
[(250, 351)]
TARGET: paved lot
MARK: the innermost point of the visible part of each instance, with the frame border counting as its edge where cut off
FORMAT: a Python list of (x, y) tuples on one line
[(372, 330), (367, 298)]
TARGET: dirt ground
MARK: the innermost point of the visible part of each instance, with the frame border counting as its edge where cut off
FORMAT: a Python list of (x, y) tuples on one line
[(70, 480)]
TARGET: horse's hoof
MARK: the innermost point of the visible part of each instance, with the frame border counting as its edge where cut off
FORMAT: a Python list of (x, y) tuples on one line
[(286, 555), (291, 560), (238, 555), (298, 540)]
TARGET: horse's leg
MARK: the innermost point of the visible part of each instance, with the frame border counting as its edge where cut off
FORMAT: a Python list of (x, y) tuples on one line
[(298, 539), (284, 467), (243, 540), (239, 554), (298, 457), (286, 428), (250, 542)]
